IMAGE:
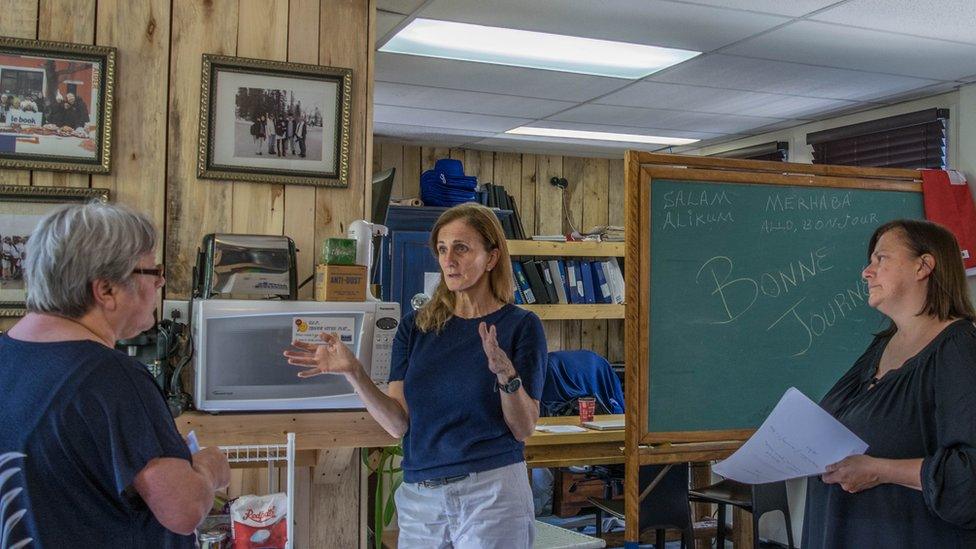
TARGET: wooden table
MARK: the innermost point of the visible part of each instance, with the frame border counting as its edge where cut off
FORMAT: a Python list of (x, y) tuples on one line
[(564, 449)]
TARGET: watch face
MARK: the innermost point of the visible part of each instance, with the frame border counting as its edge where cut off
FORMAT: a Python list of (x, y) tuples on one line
[(512, 385)]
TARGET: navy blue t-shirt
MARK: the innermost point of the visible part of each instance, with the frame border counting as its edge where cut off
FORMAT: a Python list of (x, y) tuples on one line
[(88, 419), (456, 423)]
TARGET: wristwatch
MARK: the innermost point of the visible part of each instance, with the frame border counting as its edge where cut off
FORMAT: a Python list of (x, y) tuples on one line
[(512, 385)]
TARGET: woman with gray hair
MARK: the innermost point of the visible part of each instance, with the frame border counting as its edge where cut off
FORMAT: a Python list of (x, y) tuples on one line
[(99, 462)]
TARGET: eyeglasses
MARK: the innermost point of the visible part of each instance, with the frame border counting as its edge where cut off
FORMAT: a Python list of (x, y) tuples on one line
[(158, 270)]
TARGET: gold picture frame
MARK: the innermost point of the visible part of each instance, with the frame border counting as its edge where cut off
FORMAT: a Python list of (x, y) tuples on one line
[(274, 122), (21, 207), (56, 104)]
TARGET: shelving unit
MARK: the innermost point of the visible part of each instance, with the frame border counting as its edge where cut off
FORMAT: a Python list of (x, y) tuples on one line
[(567, 249), (573, 311)]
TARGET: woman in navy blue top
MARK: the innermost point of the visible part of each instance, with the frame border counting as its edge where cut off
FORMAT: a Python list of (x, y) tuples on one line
[(85, 432), (911, 397), (465, 384)]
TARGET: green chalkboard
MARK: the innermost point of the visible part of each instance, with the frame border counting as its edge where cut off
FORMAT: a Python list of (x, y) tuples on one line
[(755, 288)]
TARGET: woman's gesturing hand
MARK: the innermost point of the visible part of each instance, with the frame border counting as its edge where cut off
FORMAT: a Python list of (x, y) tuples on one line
[(329, 357), (498, 361)]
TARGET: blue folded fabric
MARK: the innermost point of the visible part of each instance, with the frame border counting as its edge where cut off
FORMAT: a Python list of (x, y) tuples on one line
[(446, 184)]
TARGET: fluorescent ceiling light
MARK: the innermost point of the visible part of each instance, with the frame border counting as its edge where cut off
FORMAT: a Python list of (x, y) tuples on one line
[(601, 136), (536, 50)]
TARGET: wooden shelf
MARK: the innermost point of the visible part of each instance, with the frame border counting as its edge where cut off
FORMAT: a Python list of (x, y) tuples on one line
[(568, 249), (576, 312)]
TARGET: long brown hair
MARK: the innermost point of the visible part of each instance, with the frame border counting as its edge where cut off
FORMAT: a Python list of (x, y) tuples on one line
[(947, 294), (435, 314)]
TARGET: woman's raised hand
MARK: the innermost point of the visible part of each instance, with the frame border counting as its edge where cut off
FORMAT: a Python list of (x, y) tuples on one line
[(498, 361), (329, 357)]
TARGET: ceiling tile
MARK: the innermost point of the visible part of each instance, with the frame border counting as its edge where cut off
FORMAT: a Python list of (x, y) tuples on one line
[(445, 119), (662, 119), (481, 77), (386, 22), (846, 47), (545, 145), (655, 22), (405, 7), (701, 99), (406, 95), (793, 8), (744, 73), (942, 19), (425, 134), (659, 132)]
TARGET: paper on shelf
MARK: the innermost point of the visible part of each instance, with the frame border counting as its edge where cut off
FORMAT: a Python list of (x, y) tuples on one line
[(798, 439), (560, 429)]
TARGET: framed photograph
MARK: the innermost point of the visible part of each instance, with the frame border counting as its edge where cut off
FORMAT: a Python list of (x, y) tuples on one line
[(274, 122), (56, 106), (21, 207)]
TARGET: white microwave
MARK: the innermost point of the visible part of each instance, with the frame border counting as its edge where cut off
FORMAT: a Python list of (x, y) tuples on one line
[(238, 345)]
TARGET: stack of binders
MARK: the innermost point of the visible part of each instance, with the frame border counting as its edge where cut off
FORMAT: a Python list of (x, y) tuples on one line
[(568, 281)]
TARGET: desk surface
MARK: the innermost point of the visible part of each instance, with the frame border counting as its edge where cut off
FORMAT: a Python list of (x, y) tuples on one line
[(591, 447)]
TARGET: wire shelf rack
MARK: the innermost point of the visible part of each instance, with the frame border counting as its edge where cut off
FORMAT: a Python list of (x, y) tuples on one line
[(274, 456)]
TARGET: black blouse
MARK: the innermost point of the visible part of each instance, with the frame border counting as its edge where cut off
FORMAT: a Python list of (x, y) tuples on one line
[(924, 409)]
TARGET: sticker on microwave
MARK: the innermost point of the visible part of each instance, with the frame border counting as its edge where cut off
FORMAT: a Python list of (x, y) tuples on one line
[(308, 328)]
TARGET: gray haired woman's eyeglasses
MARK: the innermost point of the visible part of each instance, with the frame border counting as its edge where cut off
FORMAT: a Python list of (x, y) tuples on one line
[(158, 270)]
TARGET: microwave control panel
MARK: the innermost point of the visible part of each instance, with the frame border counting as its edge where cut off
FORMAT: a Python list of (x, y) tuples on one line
[(387, 320)]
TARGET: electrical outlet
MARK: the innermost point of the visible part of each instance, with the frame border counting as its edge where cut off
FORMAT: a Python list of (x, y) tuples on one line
[(177, 310)]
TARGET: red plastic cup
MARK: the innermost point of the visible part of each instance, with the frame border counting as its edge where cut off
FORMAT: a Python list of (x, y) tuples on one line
[(587, 406)]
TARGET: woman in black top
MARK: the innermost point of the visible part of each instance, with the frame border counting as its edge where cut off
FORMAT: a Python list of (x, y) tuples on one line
[(912, 397)]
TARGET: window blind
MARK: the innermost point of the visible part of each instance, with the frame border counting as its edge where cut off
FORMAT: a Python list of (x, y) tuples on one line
[(913, 140), (776, 151)]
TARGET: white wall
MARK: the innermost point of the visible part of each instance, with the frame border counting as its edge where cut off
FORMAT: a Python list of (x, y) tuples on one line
[(962, 156)]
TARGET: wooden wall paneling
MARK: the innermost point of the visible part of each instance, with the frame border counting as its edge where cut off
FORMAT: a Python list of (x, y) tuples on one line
[(573, 172), (303, 516), (530, 178), (410, 179), (549, 220), (595, 202), (195, 207), (299, 204), (393, 157), (65, 21), (140, 31), (343, 43), (615, 216), (431, 155), (18, 20), (262, 33), (458, 154), (345, 40)]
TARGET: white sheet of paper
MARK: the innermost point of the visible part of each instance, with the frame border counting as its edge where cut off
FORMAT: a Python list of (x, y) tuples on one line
[(798, 439), (560, 429), (431, 280)]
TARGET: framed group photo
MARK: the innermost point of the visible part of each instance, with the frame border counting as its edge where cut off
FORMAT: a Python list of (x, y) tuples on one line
[(21, 208), (274, 122), (56, 105)]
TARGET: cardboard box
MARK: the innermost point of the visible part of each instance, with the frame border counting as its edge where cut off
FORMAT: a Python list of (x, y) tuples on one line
[(339, 251), (340, 283)]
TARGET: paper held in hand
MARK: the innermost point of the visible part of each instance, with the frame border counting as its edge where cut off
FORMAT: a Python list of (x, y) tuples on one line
[(798, 439)]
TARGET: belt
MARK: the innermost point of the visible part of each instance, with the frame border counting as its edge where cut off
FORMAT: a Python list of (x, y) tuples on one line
[(435, 482)]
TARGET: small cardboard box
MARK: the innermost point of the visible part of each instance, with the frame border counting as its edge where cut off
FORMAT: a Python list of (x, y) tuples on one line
[(339, 251), (340, 283)]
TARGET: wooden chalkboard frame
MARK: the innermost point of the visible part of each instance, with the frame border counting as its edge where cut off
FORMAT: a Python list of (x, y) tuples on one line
[(641, 169)]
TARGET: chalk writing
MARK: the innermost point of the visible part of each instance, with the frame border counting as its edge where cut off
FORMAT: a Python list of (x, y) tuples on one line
[(813, 323), (812, 201)]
